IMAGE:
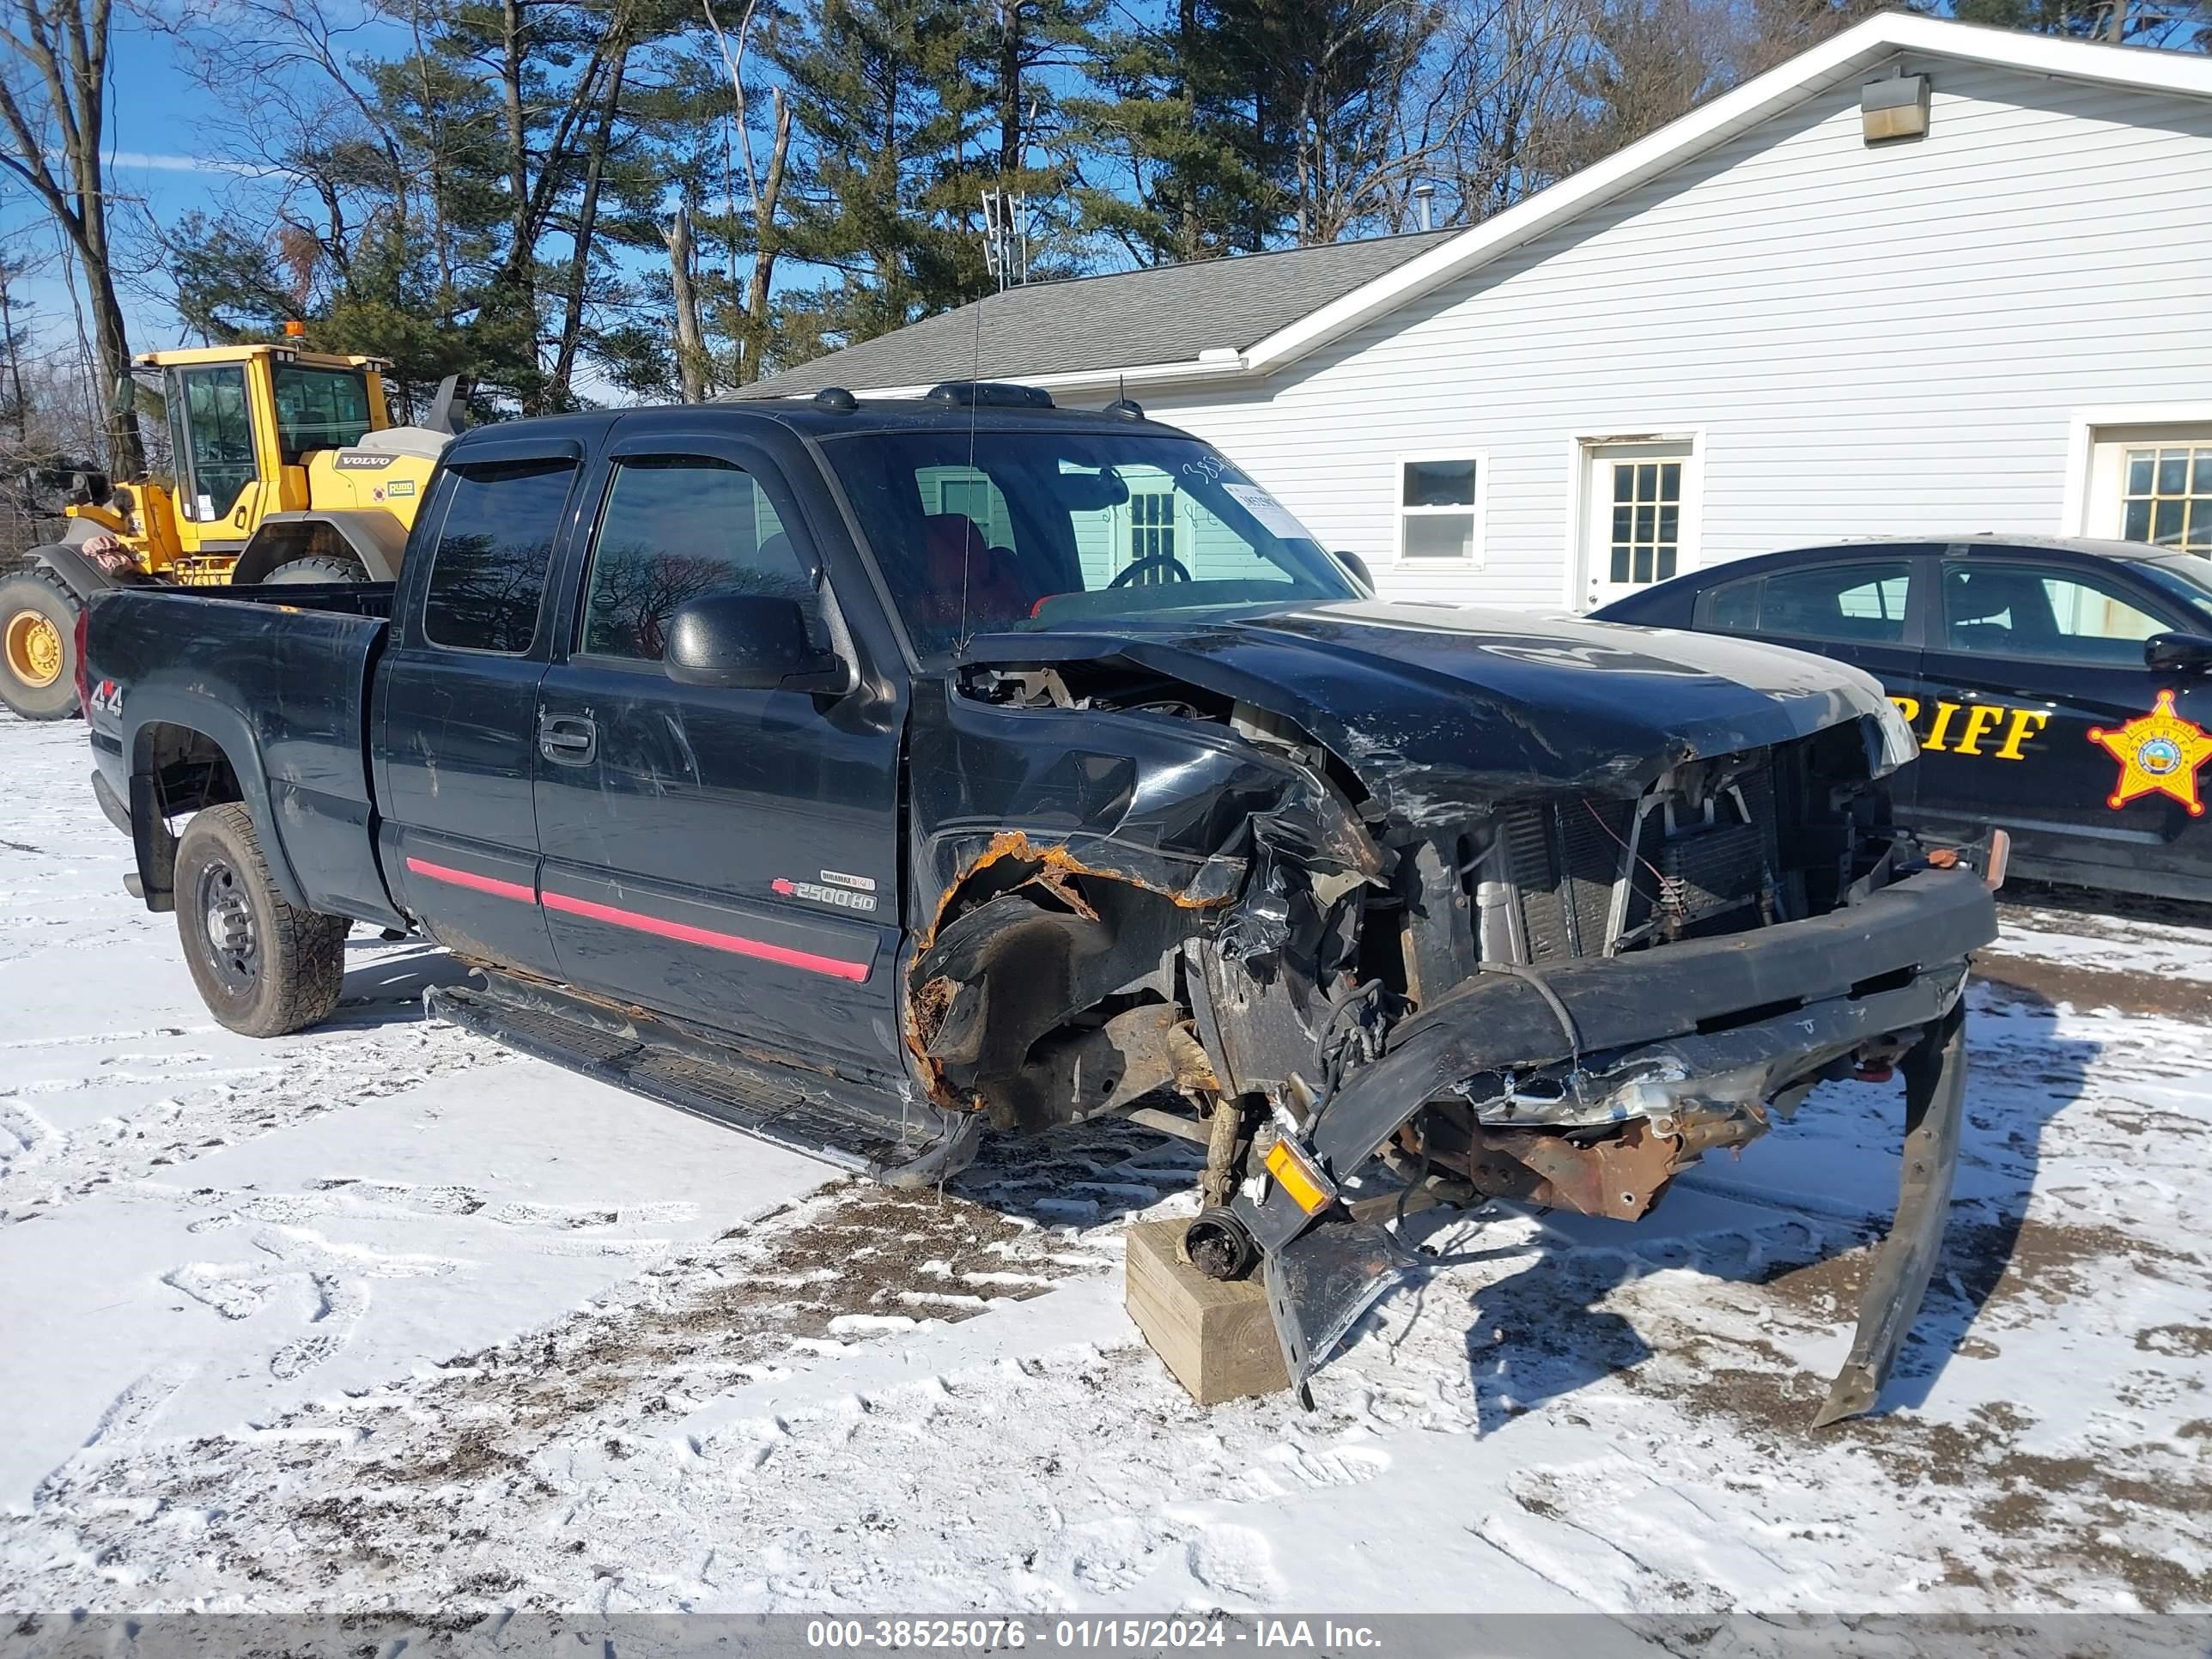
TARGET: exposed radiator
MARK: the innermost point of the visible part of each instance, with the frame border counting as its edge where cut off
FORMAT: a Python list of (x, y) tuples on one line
[(1568, 861)]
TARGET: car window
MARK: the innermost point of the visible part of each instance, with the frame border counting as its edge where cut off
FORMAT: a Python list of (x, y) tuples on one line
[(1861, 603), (1731, 608), (2030, 611), (675, 527), (487, 572)]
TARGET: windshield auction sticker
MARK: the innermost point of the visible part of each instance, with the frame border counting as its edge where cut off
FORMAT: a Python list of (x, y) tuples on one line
[(1274, 518)]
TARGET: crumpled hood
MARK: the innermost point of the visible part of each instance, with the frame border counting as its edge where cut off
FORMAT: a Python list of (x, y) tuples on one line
[(1430, 703)]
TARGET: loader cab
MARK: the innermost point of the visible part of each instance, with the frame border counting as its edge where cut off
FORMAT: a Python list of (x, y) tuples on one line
[(243, 422)]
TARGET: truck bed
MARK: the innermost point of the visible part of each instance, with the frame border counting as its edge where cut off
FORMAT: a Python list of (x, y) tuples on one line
[(280, 675)]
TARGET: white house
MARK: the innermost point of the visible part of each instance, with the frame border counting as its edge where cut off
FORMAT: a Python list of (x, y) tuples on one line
[(1924, 277)]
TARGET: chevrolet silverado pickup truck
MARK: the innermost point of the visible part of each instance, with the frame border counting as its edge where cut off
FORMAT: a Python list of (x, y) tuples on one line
[(863, 774)]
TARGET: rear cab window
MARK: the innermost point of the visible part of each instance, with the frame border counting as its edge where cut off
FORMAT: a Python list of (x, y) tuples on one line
[(495, 549)]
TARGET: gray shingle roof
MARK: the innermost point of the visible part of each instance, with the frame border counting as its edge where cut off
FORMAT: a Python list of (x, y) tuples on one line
[(1166, 315)]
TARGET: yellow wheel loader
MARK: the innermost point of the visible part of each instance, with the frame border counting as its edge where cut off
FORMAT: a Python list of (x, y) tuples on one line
[(287, 468)]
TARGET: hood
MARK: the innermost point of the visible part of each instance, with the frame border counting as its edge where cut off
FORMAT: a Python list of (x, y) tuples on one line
[(1428, 702)]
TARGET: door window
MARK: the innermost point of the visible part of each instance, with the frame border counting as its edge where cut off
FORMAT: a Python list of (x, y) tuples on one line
[(487, 572), (218, 439), (1647, 521), (1861, 603), (675, 528), (1151, 526), (2027, 611)]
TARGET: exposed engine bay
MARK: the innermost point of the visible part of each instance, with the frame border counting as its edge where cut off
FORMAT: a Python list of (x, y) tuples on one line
[(1370, 982)]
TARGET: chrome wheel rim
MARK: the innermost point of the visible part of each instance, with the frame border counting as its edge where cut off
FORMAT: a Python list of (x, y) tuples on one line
[(229, 945)]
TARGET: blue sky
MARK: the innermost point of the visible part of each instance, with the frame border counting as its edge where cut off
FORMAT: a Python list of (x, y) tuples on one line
[(161, 158)]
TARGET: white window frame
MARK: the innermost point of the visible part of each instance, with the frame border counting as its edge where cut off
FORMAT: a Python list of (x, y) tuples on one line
[(2094, 437), (1400, 512), (1583, 449)]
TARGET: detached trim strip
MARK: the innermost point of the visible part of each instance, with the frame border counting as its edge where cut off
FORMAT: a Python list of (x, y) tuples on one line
[(735, 944), (469, 879)]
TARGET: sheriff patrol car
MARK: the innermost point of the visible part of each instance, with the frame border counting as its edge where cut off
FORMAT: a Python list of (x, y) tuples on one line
[(2061, 690)]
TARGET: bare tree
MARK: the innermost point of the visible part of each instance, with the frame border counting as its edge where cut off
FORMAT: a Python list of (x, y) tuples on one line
[(691, 360), (766, 191), (54, 101)]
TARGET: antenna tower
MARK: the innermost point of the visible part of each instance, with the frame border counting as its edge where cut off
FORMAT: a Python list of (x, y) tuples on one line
[(1006, 237)]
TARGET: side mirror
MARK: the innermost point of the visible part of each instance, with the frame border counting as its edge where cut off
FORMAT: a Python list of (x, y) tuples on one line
[(751, 642), (1358, 568), (124, 399), (2177, 654)]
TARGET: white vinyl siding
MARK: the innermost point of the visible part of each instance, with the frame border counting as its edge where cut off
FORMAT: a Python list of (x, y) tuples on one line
[(1868, 341)]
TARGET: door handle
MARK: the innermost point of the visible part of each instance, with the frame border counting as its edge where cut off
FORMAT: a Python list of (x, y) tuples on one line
[(567, 739)]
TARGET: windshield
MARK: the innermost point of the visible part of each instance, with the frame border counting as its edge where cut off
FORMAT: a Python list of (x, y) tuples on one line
[(2189, 580), (1041, 527), (319, 408)]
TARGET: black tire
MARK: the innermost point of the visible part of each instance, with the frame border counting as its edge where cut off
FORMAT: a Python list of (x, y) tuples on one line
[(38, 645), (263, 967), (316, 568)]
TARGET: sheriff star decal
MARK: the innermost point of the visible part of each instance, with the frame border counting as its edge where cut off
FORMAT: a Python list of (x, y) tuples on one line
[(2159, 753)]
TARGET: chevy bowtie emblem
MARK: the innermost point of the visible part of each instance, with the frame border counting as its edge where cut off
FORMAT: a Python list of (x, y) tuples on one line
[(2159, 753)]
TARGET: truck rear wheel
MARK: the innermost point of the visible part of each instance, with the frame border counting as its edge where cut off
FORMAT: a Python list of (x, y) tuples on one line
[(38, 645), (263, 967)]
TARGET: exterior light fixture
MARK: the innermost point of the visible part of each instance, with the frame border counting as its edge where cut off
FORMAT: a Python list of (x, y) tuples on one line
[(1893, 108)]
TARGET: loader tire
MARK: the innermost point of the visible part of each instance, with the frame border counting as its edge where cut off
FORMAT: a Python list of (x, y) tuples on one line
[(264, 966), (317, 569), (38, 645)]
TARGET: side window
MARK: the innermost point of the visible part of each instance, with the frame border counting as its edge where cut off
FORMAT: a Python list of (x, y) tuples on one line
[(319, 408), (676, 527), (1731, 608), (487, 571), (1849, 604), (2033, 611)]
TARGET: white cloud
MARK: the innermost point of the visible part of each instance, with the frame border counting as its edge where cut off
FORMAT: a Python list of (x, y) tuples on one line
[(154, 162)]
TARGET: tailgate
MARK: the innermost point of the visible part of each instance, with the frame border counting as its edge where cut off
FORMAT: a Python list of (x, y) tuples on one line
[(280, 682)]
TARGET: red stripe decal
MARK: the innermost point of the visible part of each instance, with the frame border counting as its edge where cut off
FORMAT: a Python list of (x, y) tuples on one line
[(855, 971), (492, 884)]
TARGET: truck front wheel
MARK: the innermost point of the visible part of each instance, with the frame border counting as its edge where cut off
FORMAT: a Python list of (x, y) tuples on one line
[(38, 646), (264, 966)]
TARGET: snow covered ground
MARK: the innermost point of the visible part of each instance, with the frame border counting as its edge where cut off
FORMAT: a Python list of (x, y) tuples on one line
[(381, 1318)]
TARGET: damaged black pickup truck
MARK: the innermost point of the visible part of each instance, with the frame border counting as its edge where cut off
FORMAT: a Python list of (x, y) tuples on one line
[(864, 773)]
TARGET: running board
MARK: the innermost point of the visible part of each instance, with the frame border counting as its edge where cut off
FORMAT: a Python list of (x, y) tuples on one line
[(876, 1128)]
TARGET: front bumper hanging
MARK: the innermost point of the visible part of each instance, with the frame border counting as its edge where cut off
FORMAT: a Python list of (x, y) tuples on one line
[(1891, 965)]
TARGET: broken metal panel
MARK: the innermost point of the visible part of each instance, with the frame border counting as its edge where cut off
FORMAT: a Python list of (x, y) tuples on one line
[(1001, 977), (1536, 705), (1934, 1110)]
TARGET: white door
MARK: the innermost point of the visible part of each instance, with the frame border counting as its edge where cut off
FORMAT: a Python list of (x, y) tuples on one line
[(2153, 484), (1639, 518)]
